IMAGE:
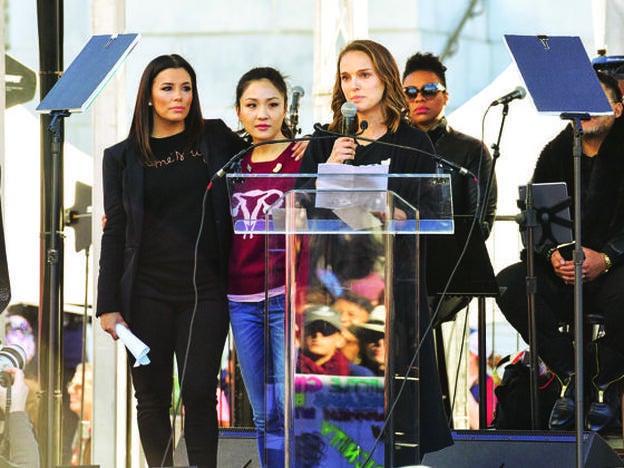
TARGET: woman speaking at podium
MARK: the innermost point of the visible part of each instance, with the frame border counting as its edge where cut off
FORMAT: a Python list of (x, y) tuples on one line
[(368, 77)]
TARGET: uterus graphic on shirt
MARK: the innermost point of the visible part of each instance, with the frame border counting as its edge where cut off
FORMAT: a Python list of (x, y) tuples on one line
[(251, 206)]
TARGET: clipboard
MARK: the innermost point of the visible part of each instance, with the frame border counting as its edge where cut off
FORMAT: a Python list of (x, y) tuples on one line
[(558, 74), (88, 73)]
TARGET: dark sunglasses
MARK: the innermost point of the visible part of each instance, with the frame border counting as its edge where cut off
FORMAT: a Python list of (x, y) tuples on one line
[(427, 91), (324, 328), (370, 336)]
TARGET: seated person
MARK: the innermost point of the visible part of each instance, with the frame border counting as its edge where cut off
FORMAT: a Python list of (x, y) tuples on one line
[(22, 448), (602, 226), (321, 342), (372, 340)]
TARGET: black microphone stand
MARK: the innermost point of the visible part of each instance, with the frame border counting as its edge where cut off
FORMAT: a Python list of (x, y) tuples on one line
[(528, 220), (364, 125), (481, 325), (234, 161), (293, 121)]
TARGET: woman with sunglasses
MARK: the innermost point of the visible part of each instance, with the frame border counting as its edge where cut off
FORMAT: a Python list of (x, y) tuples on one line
[(424, 82), (367, 76)]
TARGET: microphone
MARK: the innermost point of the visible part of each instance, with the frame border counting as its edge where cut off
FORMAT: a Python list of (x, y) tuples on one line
[(234, 160), (517, 93), (293, 111), (348, 111)]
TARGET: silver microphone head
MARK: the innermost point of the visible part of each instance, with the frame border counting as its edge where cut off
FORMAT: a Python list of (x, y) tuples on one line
[(348, 110), (521, 92)]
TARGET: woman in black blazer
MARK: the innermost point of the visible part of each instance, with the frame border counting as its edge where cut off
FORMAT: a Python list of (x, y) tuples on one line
[(164, 256)]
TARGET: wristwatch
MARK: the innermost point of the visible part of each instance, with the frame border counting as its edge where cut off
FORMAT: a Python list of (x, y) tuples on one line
[(608, 263)]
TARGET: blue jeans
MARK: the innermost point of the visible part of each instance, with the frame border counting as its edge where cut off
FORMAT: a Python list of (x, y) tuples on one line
[(247, 319)]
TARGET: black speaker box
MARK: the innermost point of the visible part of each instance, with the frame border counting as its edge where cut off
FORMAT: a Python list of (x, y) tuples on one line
[(522, 449), (237, 449)]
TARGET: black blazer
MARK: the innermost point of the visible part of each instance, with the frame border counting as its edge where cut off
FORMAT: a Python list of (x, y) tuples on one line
[(122, 173)]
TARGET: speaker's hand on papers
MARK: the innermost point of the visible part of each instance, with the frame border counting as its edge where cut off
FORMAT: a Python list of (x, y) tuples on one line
[(343, 150), (109, 321)]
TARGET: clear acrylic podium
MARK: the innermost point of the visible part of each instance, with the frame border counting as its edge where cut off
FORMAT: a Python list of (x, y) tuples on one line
[(332, 245)]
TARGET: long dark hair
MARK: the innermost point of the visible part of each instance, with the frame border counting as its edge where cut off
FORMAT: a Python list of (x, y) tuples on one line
[(276, 79), (393, 99), (143, 119)]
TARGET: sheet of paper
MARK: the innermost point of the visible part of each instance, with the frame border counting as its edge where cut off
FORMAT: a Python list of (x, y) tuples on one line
[(357, 218), (365, 184), (138, 349)]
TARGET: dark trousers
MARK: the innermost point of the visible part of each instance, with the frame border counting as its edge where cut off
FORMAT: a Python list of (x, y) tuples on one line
[(554, 304), (164, 327)]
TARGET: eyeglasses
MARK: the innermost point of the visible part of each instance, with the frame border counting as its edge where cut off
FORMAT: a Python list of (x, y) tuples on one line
[(322, 327), (428, 90)]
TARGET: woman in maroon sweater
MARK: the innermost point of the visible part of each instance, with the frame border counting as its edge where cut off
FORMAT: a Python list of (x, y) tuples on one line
[(261, 103)]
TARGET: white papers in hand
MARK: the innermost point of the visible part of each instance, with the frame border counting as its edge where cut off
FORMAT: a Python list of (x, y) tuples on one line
[(138, 349)]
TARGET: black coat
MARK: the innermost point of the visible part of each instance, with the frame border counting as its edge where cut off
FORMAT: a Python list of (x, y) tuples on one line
[(472, 154), (123, 205), (602, 217)]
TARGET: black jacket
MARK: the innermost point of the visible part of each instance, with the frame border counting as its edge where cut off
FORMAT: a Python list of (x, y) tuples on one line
[(602, 223), (472, 154), (123, 205)]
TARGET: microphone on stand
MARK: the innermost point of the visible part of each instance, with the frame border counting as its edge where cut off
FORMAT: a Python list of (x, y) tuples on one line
[(517, 93), (293, 111), (234, 161)]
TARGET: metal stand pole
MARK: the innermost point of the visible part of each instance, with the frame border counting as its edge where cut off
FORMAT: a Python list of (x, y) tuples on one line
[(578, 258), (481, 325), (54, 271), (531, 288), (482, 363)]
